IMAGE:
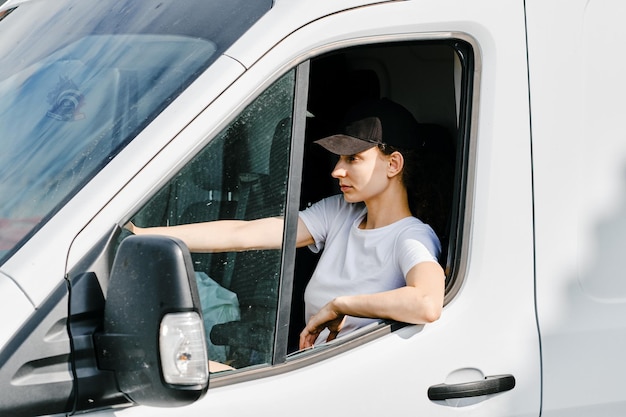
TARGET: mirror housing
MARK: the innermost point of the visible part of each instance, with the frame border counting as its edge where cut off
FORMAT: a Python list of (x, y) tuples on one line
[(153, 335)]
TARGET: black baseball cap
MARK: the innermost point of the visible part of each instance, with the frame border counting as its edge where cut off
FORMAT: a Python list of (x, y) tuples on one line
[(372, 123)]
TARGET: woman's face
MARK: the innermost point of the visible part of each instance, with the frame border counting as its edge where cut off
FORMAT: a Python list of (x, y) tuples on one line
[(362, 176)]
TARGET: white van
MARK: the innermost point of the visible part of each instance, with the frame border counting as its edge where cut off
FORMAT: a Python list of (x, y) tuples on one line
[(168, 112)]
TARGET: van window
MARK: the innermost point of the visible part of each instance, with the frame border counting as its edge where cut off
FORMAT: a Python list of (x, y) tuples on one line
[(243, 173), (76, 90), (431, 79)]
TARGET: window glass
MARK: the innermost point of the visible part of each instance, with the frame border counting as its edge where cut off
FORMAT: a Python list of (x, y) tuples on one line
[(79, 79), (241, 174)]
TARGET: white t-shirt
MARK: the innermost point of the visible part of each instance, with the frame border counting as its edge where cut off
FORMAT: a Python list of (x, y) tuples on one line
[(357, 261)]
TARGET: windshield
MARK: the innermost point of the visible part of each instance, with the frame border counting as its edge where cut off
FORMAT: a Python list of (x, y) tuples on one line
[(80, 78)]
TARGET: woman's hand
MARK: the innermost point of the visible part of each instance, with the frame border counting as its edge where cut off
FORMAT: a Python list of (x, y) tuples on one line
[(328, 317), (131, 227)]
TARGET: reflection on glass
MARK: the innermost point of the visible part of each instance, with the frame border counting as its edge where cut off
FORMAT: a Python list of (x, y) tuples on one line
[(80, 78), (240, 175)]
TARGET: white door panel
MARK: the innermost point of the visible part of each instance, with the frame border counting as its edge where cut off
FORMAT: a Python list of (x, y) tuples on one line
[(576, 76), (388, 376)]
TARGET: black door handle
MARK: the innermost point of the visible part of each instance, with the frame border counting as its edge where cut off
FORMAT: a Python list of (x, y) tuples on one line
[(489, 385)]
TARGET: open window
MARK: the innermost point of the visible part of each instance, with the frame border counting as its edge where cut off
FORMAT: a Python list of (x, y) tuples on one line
[(433, 79), (251, 298)]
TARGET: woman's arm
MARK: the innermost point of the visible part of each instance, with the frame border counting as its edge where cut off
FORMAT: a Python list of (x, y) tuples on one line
[(229, 235), (420, 301)]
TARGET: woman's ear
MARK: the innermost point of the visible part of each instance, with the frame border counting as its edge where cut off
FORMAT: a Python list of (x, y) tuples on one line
[(396, 164)]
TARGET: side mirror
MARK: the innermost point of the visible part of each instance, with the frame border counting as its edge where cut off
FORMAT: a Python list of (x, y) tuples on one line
[(153, 334)]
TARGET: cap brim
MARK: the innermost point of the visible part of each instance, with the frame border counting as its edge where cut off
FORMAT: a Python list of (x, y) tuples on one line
[(344, 144)]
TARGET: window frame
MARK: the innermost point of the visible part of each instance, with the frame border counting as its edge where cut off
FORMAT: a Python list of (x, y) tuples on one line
[(468, 54), (294, 176)]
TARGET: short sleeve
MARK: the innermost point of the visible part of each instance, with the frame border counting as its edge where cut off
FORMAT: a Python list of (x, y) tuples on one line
[(318, 218), (416, 246)]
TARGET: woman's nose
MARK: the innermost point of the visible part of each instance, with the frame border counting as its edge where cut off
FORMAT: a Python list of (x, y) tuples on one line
[(338, 171)]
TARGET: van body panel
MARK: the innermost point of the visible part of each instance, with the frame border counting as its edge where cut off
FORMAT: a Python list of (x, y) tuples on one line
[(579, 149), (13, 304), (286, 17)]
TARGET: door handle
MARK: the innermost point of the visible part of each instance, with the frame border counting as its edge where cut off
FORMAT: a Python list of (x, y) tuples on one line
[(489, 385)]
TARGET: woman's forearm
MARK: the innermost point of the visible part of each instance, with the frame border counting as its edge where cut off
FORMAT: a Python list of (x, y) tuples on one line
[(223, 235), (411, 304), (406, 304), (420, 301)]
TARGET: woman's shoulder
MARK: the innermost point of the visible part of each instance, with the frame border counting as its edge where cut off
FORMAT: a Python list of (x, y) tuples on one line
[(414, 230), (412, 227)]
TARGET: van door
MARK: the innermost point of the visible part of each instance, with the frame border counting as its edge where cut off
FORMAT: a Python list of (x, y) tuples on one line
[(482, 356), (577, 92)]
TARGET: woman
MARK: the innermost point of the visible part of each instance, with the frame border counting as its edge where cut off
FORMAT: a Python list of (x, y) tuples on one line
[(379, 261)]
